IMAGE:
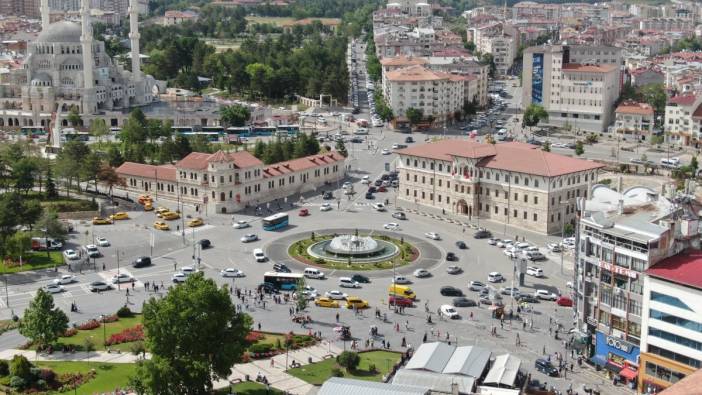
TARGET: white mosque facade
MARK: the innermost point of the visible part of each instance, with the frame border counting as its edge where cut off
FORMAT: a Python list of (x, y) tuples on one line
[(66, 68)]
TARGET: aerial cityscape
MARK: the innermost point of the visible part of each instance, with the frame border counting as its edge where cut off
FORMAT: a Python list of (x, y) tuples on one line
[(350, 197)]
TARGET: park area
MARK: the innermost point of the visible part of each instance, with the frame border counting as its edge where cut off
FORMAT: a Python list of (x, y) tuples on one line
[(32, 261), (373, 366)]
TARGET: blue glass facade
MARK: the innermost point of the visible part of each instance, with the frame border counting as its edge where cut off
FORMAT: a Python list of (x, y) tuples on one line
[(537, 79)]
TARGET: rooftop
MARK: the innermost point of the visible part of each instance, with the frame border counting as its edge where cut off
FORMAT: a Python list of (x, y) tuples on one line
[(589, 68), (403, 61), (684, 268), (635, 108), (343, 386), (414, 73), (683, 100), (200, 160), (300, 164), (163, 172)]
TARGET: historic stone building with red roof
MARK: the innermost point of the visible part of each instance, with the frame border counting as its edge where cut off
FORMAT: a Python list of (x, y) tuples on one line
[(225, 182), (513, 183)]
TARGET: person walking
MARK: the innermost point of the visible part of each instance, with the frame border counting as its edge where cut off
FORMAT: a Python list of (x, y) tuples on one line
[(519, 342)]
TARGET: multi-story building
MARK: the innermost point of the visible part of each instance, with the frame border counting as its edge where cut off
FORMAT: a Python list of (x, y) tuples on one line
[(620, 235), (671, 336), (633, 118), (510, 183), (683, 119), (439, 95), (503, 48), (576, 85), (533, 10), (227, 182), (667, 24)]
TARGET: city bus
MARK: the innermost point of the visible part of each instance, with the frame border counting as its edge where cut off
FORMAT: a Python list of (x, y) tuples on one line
[(275, 221), (282, 281), (70, 134), (33, 131)]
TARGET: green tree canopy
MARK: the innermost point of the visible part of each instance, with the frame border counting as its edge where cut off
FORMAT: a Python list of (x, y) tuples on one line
[(195, 335), (42, 323), (99, 129), (235, 115), (579, 148), (533, 115), (414, 115), (341, 148)]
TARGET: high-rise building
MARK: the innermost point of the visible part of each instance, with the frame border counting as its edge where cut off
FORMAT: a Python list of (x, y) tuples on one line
[(576, 85)]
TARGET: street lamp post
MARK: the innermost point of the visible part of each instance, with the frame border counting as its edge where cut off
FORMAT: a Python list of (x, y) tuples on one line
[(119, 284)]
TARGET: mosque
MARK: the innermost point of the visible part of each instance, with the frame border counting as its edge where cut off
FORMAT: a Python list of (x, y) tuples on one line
[(66, 68)]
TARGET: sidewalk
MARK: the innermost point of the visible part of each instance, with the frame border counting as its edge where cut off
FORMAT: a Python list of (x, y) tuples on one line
[(79, 356)]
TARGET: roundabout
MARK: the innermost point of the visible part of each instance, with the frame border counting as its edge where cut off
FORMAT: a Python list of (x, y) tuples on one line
[(354, 250)]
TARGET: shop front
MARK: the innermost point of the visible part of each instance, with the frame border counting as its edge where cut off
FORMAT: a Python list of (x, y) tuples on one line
[(658, 373), (619, 358)]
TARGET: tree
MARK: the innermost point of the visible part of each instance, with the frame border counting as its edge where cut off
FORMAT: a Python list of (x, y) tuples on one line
[(259, 149), (51, 192), (108, 176), (470, 108), (235, 115), (579, 148), (547, 146), (70, 161), (489, 60), (74, 117), (349, 360), (114, 157), (54, 227), (18, 244), (99, 128), (301, 301), (533, 115), (414, 116), (195, 335), (43, 323), (23, 173), (657, 139), (341, 148)]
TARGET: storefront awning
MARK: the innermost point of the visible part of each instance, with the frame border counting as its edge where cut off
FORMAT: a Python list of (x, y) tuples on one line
[(628, 374), (598, 359)]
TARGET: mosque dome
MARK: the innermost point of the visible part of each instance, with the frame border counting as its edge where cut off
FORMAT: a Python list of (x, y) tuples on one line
[(60, 32)]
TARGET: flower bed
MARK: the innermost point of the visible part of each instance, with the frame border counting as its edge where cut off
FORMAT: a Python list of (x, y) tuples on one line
[(254, 336), (88, 325), (128, 335), (70, 332)]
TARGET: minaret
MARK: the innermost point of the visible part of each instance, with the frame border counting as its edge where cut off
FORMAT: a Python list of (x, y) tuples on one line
[(45, 14), (134, 38), (86, 41)]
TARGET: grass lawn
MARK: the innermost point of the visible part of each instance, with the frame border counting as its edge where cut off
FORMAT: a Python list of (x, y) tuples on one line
[(318, 373), (109, 375), (96, 335), (34, 261), (248, 388), (270, 338), (270, 20)]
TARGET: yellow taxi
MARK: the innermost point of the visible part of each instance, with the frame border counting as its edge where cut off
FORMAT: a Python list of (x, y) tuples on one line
[(353, 301), (170, 215), (120, 215), (101, 221), (160, 210), (160, 225), (326, 302), (148, 206), (195, 222)]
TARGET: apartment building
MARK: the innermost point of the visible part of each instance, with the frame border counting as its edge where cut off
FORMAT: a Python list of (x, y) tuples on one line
[(438, 94), (671, 336), (621, 235), (503, 48), (576, 85), (683, 119), (227, 182), (633, 118), (511, 183), (533, 10), (667, 24)]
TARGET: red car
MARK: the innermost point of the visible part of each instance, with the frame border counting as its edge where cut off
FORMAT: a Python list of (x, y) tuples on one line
[(382, 189), (564, 301), (304, 212), (402, 302)]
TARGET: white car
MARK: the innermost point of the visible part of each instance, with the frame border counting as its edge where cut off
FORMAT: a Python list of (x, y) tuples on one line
[(432, 235), (65, 279), (378, 206), (512, 252), (71, 255), (247, 238), (392, 226), (241, 224), (504, 243), (325, 207), (99, 286), (534, 271), (179, 278), (545, 295), (421, 273), (336, 295), (493, 241), (453, 269), (402, 280), (514, 291), (554, 247), (231, 272), (102, 242), (495, 277), (386, 151), (122, 278), (188, 270), (449, 311), (259, 256), (93, 251), (347, 185), (365, 180), (53, 288)]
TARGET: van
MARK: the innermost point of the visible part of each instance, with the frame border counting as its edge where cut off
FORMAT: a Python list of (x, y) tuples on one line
[(495, 277), (401, 291), (311, 272), (347, 282), (259, 256), (534, 271)]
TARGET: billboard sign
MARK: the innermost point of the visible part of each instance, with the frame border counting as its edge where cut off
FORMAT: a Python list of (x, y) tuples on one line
[(537, 79)]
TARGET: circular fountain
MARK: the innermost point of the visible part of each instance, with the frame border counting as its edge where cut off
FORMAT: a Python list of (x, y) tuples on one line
[(353, 247)]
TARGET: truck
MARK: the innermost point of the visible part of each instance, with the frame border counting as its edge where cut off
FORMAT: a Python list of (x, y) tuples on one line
[(41, 243)]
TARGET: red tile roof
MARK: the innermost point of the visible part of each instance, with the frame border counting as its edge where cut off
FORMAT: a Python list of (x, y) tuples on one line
[(308, 162), (402, 61), (635, 108), (684, 268), (199, 160), (163, 172), (683, 100), (513, 156)]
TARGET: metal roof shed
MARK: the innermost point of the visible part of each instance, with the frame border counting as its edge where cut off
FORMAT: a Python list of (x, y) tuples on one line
[(342, 386), (504, 371), (468, 361), (431, 356), (435, 381)]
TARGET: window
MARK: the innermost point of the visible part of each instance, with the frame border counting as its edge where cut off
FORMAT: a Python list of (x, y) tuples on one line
[(526, 198), (536, 200), (524, 215), (487, 208), (677, 339), (674, 356), (516, 196), (536, 217), (618, 323), (675, 320), (619, 300), (669, 300), (514, 213)]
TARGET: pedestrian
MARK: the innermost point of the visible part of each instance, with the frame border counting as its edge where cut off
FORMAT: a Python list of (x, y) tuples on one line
[(471, 316), (432, 331), (259, 327), (132, 285), (337, 317), (103, 266), (404, 342), (272, 363), (519, 343), (523, 325), (424, 339), (550, 330), (571, 366), (146, 285), (162, 284)]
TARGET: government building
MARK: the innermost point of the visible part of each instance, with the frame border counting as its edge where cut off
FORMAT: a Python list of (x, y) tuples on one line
[(65, 68), (512, 183), (227, 182)]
